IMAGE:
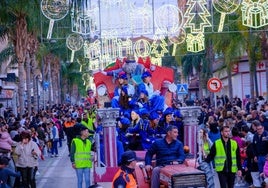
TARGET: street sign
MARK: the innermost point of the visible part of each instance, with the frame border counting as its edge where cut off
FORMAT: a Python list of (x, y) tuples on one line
[(214, 85), (46, 84), (182, 88)]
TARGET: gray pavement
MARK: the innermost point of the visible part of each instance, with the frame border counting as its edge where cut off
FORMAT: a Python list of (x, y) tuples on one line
[(56, 172)]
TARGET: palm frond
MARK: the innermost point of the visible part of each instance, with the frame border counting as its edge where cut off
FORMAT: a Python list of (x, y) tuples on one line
[(6, 53)]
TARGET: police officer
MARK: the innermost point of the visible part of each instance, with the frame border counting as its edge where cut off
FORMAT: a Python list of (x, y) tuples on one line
[(226, 155), (124, 177)]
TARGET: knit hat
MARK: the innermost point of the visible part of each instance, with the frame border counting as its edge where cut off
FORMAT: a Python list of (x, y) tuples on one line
[(177, 113), (145, 92), (137, 111), (124, 121), (168, 111), (122, 75), (143, 111), (130, 59), (146, 74), (124, 89), (153, 115)]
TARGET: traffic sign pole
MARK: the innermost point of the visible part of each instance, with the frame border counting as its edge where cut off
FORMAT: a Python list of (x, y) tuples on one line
[(215, 99), (214, 85)]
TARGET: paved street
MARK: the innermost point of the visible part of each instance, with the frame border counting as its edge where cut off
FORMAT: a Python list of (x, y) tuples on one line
[(56, 172)]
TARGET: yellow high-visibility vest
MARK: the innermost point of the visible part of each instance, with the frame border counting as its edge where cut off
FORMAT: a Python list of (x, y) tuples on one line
[(82, 155), (220, 156)]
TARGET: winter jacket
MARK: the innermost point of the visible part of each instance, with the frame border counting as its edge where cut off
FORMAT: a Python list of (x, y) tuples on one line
[(5, 141), (25, 156)]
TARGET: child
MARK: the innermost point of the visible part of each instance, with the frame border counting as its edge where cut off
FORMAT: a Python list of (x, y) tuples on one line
[(5, 172)]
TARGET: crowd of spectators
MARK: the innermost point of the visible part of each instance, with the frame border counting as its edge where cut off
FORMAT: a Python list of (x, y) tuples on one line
[(139, 127)]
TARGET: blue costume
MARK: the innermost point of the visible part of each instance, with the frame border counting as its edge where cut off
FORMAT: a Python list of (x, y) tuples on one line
[(163, 124), (145, 131), (137, 103), (157, 102), (130, 90)]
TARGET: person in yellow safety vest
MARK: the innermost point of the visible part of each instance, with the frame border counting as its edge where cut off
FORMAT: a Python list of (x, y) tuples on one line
[(81, 157), (226, 155), (124, 177), (89, 118)]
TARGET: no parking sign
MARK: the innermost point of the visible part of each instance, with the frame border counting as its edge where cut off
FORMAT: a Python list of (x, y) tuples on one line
[(214, 85)]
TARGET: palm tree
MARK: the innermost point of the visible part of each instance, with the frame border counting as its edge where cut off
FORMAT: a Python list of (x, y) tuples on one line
[(20, 17), (264, 51), (196, 63)]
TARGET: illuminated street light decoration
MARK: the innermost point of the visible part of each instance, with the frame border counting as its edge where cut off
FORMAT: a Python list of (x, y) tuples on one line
[(109, 3), (83, 19), (86, 79), (115, 15), (83, 65), (254, 14), (168, 19), (141, 18), (225, 7), (196, 16), (54, 10), (178, 38), (142, 48), (74, 42), (92, 50), (124, 47), (195, 43), (159, 46), (109, 45), (196, 20)]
